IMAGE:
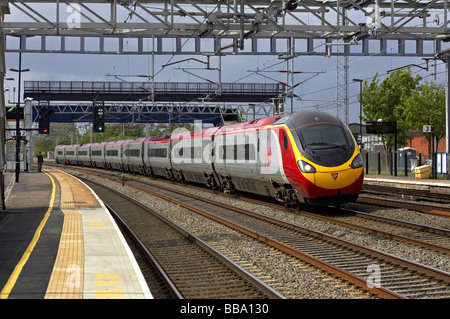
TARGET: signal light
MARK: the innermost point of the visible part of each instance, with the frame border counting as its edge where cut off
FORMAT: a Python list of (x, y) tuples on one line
[(97, 128), (45, 112)]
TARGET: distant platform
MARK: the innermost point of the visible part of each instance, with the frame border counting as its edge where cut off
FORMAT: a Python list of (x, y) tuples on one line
[(407, 182)]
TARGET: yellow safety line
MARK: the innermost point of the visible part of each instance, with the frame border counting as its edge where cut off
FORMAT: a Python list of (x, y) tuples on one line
[(4, 294)]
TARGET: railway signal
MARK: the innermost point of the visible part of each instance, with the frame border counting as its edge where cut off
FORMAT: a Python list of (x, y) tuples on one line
[(98, 124), (45, 113), (44, 126)]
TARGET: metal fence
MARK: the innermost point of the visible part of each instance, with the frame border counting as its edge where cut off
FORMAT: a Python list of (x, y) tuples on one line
[(383, 163)]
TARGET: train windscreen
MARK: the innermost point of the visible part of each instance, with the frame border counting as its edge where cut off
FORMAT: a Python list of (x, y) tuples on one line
[(323, 136), (325, 144)]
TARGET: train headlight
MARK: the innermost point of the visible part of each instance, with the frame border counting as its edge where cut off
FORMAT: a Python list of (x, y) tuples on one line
[(306, 167), (357, 161)]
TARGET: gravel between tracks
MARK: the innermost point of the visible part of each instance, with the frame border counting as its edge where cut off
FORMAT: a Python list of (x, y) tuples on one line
[(292, 278)]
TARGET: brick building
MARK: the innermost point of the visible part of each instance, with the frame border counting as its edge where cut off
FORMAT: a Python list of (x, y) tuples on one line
[(420, 144)]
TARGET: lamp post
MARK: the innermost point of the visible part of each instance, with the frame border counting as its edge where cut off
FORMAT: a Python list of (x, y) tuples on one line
[(18, 113), (360, 105)]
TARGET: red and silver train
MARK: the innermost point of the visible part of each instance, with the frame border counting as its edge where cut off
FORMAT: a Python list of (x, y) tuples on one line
[(307, 157)]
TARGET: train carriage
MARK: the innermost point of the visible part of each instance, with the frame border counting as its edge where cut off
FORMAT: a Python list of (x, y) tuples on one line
[(84, 154), (157, 156), (192, 159), (113, 155), (71, 154), (241, 158), (98, 155), (133, 155), (60, 154)]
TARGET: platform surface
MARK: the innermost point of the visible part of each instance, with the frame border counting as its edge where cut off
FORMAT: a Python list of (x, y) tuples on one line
[(58, 241), (404, 181)]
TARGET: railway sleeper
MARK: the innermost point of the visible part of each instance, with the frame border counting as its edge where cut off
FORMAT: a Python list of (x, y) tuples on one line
[(419, 292)]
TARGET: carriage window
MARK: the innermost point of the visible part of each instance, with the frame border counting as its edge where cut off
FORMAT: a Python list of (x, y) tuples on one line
[(112, 153), (157, 152), (285, 141), (133, 153)]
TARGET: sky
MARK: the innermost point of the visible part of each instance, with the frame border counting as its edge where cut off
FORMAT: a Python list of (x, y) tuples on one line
[(319, 91)]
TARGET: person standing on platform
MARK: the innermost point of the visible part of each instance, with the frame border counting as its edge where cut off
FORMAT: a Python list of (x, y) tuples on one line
[(40, 160)]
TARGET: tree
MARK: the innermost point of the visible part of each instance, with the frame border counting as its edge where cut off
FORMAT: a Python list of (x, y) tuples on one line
[(426, 106), (385, 101)]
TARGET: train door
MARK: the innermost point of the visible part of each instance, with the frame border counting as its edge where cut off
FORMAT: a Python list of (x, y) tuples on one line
[(265, 152), (213, 180), (258, 153)]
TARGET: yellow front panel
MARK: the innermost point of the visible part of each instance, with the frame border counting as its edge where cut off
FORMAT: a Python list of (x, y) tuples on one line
[(334, 177)]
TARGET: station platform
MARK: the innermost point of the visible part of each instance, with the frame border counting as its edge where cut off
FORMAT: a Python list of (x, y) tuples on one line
[(438, 185), (58, 241)]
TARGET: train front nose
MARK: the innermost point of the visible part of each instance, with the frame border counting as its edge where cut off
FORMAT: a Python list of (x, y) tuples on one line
[(332, 185), (330, 181), (334, 182)]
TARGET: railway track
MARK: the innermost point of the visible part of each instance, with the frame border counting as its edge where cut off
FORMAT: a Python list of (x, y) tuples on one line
[(187, 267), (423, 198), (397, 278), (437, 239), (428, 208), (412, 193)]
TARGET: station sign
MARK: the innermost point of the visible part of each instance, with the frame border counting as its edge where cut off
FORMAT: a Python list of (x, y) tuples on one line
[(380, 127), (428, 129), (22, 133)]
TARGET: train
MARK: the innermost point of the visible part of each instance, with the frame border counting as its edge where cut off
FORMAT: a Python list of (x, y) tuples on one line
[(306, 158)]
